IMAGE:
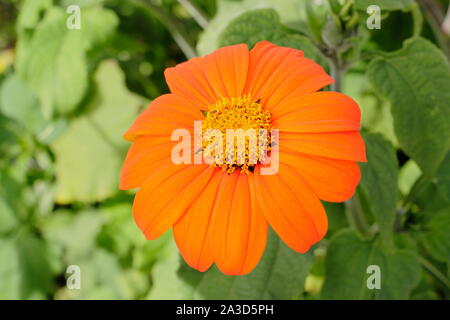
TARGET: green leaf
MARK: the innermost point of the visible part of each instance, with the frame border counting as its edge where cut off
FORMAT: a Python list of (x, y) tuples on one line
[(432, 226), (10, 140), (443, 177), (75, 233), (348, 257), (10, 204), (280, 274), (420, 107), (100, 276), (264, 24), (8, 219), (375, 112), (10, 278), (21, 104), (90, 152), (97, 26), (25, 272), (53, 64), (30, 11), (82, 3), (121, 235), (384, 4), (51, 59), (292, 14), (408, 175), (424, 291), (316, 14), (379, 181), (14, 204), (336, 217), (252, 27), (435, 235)]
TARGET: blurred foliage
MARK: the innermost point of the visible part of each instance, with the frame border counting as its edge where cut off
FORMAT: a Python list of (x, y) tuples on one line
[(67, 96)]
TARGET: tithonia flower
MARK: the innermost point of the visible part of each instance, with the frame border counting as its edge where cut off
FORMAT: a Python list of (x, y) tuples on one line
[(221, 213)]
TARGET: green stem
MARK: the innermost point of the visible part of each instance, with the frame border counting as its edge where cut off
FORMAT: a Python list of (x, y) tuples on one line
[(195, 12), (434, 271), (355, 216), (172, 25), (435, 18), (337, 72), (416, 190), (417, 20)]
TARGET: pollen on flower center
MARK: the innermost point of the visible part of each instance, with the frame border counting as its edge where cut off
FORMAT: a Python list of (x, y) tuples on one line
[(231, 124)]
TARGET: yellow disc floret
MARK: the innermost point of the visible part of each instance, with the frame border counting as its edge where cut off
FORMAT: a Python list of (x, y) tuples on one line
[(231, 121)]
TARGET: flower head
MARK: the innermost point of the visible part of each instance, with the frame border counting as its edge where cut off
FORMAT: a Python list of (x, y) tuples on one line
[(220, 208)]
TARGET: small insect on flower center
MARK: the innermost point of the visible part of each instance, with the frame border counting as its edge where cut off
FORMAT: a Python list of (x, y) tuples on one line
[(236, 134)]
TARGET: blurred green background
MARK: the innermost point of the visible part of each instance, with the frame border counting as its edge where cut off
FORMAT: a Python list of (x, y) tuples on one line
[(67, 96)]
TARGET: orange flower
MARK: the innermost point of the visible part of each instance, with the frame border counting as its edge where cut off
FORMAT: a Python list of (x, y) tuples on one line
[(220, 212)]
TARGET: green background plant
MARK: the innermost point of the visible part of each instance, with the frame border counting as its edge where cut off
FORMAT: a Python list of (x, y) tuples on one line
[(67, 96)]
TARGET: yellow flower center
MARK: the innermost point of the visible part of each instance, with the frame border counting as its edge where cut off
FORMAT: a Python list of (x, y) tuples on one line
[(236, 134)]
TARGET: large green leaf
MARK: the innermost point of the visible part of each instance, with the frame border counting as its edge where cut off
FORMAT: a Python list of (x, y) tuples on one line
[(75, 233), (384, 4), (379, 181), (21, 104), (292, 14), (280, 274), (51, 58), (53, 64), (25, 272), (264, 24), (90, 152), (348, 257), (416, 80)]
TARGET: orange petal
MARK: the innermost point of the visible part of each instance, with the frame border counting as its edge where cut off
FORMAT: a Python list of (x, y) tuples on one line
[(144, 156), (336, 145), (191, 231), (332, 180), (166, 196), (205, 80), (317, 112), (276, 73), (239, 230), (292, 208), (165, 114)]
